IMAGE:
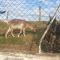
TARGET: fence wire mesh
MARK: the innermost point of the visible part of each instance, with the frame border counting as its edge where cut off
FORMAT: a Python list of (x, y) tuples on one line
[(30, 10), (18, 9), (27, 9)]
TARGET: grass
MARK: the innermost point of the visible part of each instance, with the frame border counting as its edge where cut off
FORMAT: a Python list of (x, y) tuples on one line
[(11, 40)]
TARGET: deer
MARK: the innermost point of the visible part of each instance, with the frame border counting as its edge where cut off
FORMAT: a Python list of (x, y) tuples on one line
[(22, 25)]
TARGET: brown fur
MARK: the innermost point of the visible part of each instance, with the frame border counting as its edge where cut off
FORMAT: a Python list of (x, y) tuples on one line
[(18, 24)]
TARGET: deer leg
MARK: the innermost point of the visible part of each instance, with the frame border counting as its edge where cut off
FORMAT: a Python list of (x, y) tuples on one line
[(12, 33), (24, 31), (20, 32), (7, 32)]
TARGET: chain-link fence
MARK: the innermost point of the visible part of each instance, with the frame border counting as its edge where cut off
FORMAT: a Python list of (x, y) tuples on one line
[(25, 9), (30, 10), (18, 9)]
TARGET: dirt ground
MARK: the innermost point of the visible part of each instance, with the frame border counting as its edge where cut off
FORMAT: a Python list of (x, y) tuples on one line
[(20, 56)]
